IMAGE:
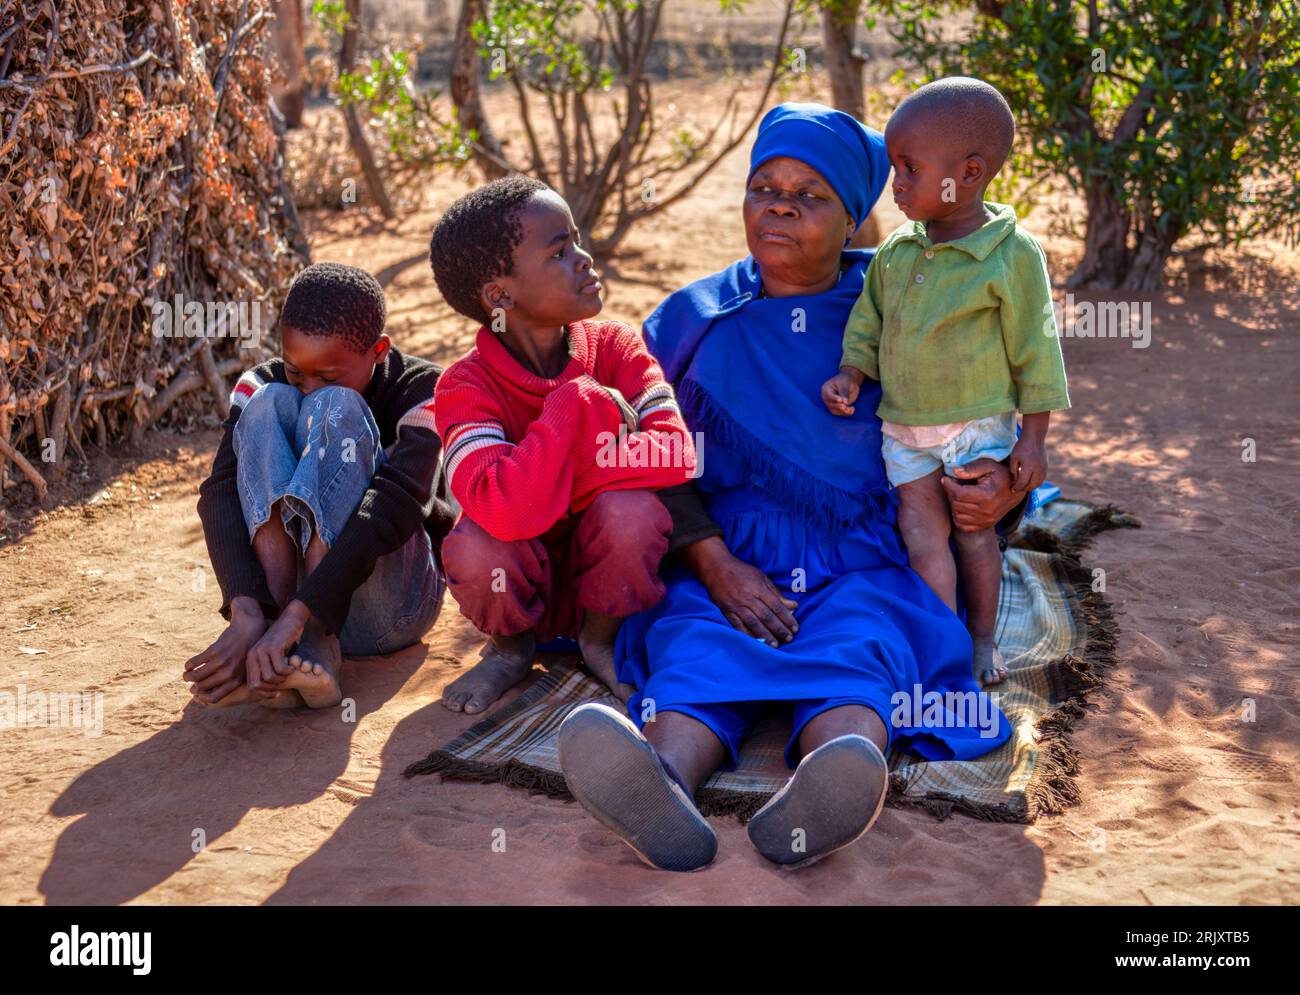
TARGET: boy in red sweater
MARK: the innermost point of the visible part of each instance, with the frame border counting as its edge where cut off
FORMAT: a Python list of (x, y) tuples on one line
[(556, 432)]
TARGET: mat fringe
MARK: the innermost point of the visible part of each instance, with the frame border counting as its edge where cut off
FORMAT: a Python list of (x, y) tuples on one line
[(1052, 788)]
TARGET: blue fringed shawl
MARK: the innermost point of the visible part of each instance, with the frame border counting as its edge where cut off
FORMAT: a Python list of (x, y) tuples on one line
[(748, 373)]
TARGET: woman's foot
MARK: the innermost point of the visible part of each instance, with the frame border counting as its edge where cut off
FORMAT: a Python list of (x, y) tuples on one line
[(833, 797), (314, 668), (619, 778), (987, 665), (506, 660)]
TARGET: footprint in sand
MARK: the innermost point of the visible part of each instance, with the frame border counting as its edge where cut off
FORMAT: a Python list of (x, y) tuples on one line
[(1225, 765), (446, 834)]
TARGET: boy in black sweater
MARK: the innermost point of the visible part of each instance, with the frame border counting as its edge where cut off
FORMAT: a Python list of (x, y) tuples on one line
[(326, 505)]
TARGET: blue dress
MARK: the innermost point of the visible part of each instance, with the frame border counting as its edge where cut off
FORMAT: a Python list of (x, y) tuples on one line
[(799, 494)]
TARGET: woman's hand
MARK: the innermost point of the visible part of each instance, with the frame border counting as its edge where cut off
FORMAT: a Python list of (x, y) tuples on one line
[(265, 665), (747, 598), (981, 504)]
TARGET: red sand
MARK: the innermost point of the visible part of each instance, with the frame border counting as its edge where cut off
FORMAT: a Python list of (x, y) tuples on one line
[(1183, 801)]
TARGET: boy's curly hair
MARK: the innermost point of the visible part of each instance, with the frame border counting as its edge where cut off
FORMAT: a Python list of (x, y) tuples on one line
[(475, 240), (336, 300)]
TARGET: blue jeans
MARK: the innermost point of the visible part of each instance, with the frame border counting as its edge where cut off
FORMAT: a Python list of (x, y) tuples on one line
[(316, 454)]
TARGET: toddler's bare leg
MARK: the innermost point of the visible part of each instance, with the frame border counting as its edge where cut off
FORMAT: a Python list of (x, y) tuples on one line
[(925, 521), (980, 563)]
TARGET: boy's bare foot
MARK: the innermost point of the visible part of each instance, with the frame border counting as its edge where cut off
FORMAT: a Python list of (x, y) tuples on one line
[(314, 668), (216, 675), (505, 662), (987, 665), (283, 698), (243, 695), (596, 641)]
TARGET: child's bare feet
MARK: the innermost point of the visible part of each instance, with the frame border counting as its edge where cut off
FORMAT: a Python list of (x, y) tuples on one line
[(216, 675), (988, 666), (314, 668), (283, 698), (505, 662), (596, 640), (244, 695), (241, 695)]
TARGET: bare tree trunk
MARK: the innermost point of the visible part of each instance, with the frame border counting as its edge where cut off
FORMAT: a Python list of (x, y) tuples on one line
[(465, 94), (357, 137), (1147, 265), (1106, 254), (289, 53), (844, 66)]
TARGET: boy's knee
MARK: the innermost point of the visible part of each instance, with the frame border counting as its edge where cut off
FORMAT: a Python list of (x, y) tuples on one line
[(635, 517), (470, 554), (279, 401), (343, 410), (467, 544), (345, 400), (338, 396)]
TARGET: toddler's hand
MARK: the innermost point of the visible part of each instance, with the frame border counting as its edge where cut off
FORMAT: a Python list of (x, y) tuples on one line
[(1028, 465), (839, 393)]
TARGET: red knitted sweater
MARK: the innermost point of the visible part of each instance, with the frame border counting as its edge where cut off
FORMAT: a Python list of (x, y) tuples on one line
[(522, 452)]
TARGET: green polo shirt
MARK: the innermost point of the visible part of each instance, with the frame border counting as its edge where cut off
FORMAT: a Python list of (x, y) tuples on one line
[(958, 330)]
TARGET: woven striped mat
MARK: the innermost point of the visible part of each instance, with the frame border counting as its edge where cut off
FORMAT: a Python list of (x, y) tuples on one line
[(1055, 631)]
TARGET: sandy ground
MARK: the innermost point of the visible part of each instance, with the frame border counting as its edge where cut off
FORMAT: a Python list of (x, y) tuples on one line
[(1185, 801)]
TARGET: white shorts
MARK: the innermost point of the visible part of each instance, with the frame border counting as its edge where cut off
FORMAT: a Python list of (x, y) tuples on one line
[(990, 438)]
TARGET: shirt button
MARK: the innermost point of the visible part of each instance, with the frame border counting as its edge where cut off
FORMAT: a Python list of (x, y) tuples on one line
[(929, 253), (920, 278)]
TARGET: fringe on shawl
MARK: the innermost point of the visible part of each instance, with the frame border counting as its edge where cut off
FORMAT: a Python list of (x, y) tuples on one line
[(822, 504)]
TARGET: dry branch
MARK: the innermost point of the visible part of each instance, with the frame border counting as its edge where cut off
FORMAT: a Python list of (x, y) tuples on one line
[(139, 162)]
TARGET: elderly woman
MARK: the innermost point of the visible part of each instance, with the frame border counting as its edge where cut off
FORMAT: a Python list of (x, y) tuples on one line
[(791, 588)]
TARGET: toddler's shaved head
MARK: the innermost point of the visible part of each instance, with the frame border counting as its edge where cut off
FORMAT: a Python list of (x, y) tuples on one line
[(967, 113)]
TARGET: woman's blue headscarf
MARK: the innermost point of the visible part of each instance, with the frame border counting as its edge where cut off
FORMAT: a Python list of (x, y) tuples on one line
[(748, 369), (848, 154)]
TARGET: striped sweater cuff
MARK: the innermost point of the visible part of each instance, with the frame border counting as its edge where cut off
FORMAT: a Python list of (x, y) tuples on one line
[(657, 397), (470, 437)]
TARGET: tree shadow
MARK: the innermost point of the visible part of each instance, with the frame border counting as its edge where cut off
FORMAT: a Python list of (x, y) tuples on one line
[(390, 273), (142, 807)]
